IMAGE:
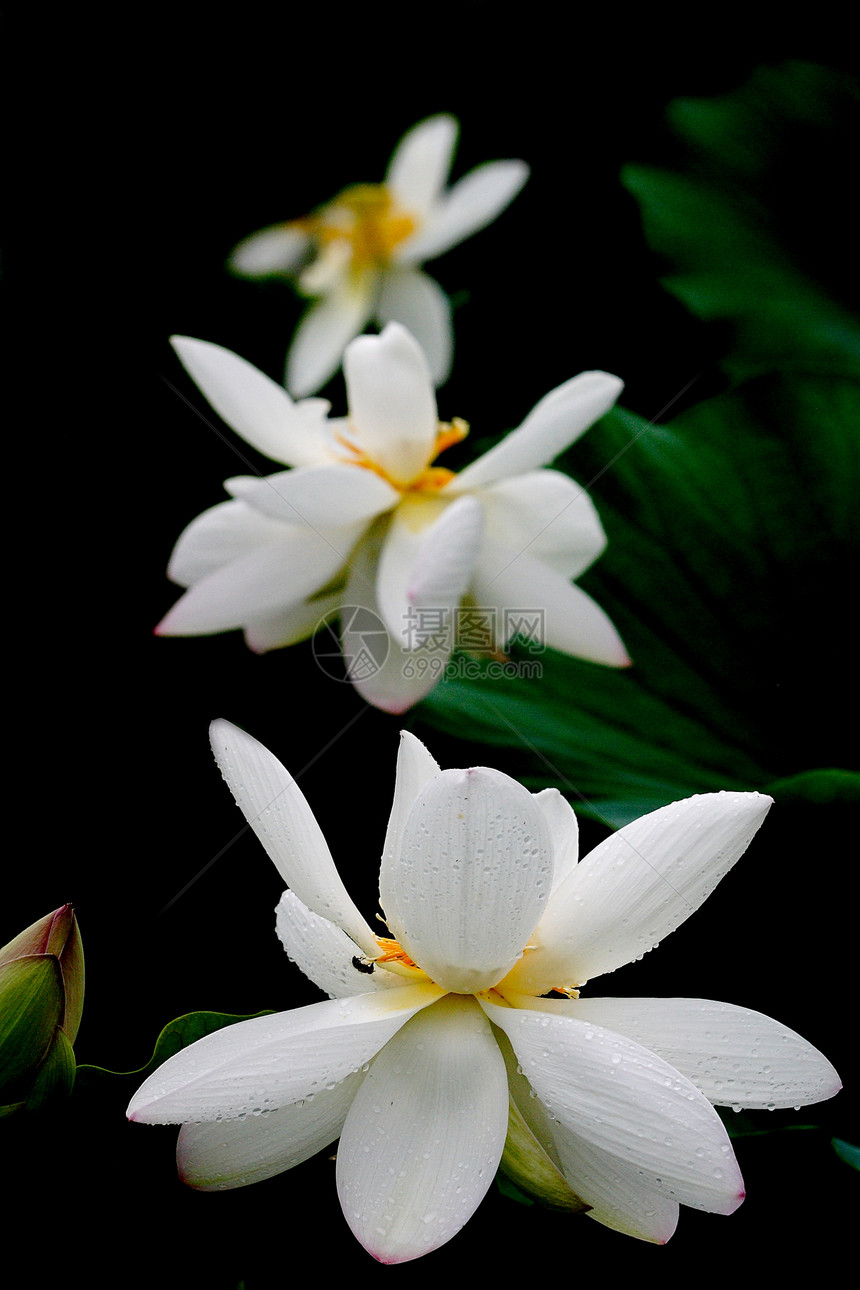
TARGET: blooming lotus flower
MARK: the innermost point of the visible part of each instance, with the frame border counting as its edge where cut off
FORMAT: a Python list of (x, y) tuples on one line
[(366, 518), (358, 256), (435, 1034)]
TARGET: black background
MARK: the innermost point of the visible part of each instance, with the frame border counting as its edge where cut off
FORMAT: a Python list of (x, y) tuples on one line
[(144, 147)]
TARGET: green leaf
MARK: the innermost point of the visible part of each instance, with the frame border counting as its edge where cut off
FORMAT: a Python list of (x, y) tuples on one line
[(733, 549), (752, 219), (175, 1036), (848, 1152)]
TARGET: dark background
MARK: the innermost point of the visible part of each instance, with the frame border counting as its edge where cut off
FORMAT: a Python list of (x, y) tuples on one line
[(145, 147)]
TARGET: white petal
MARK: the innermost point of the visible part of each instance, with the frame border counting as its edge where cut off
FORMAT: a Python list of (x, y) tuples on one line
[(546, 515), (255, 406), (425, 1133), (552, 425), (275, 1060), (276, 809), (425, 568), (391, 678), (472, 876), (323, 334), (223, 533), (277, 249), (325, 953), (470, 205), (564, 832), (413, 299), (637, 886), (271, 578), (623, 1099), (735, 1056), (392, 405), (415, 770), (419, 166), (560, 614), (233, 1153), (287, 626), (320, 496)]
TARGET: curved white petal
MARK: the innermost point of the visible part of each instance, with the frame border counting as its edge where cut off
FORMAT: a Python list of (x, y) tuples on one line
[(552, 425), (735, 1056), (276, 1060), (420, 163), (472, 875), (399, 547), (223, 533), (287, 626), (254, 405), (391, 678), (270, 578), (325, 954), (564, 832), (565, 617), (471, 204), (233, 1153), (276, 809), (546, 515), (392, 405), (637, 886), (279, 248), (415, 300), (415, 770), (324, 332), (320, 496), (425, 1133), (625, 1100)]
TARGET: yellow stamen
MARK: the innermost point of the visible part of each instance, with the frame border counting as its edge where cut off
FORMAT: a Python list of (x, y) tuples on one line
[(431, 478), (392, 952), (367, 216)]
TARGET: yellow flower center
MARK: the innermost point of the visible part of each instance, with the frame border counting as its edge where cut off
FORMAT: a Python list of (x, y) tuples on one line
[(368, 217), (395, 958), (431, 478)]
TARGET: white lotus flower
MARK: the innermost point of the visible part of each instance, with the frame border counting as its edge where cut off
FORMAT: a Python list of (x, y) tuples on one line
[(359, 254), (432, 1037), (364, 519)]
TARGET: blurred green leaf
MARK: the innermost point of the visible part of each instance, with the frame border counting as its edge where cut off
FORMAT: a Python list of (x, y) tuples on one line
[(848, 1152), (754, 217), (731, 575)]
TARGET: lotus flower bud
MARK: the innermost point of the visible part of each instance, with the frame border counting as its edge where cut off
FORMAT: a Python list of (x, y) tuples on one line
[(41, 1000)]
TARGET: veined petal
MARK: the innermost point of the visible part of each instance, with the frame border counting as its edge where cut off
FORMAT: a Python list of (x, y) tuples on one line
[(320, 496), (392, 405), (276, 1060), (564, 832), (734, 1055), (415, 770), (637, 886), (567, 618), (425, 1133), (215, 1156), (279, 248), (552, 425), (255, 406), (415, 300), (546, 515), (324, 332), (472, 876), (214, 538), (419, 166), (287, 626), (624, 1099), (276, 809), (270, 578), (401, 678), (325, 953), (471, 204)]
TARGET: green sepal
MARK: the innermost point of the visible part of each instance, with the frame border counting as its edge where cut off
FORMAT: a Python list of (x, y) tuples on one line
[(31, 1010), (530, 1169)]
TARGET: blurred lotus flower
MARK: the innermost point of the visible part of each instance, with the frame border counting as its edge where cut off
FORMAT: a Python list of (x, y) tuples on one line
[(432, 1033), (366, 519), (359, 254), (41, 1001)]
